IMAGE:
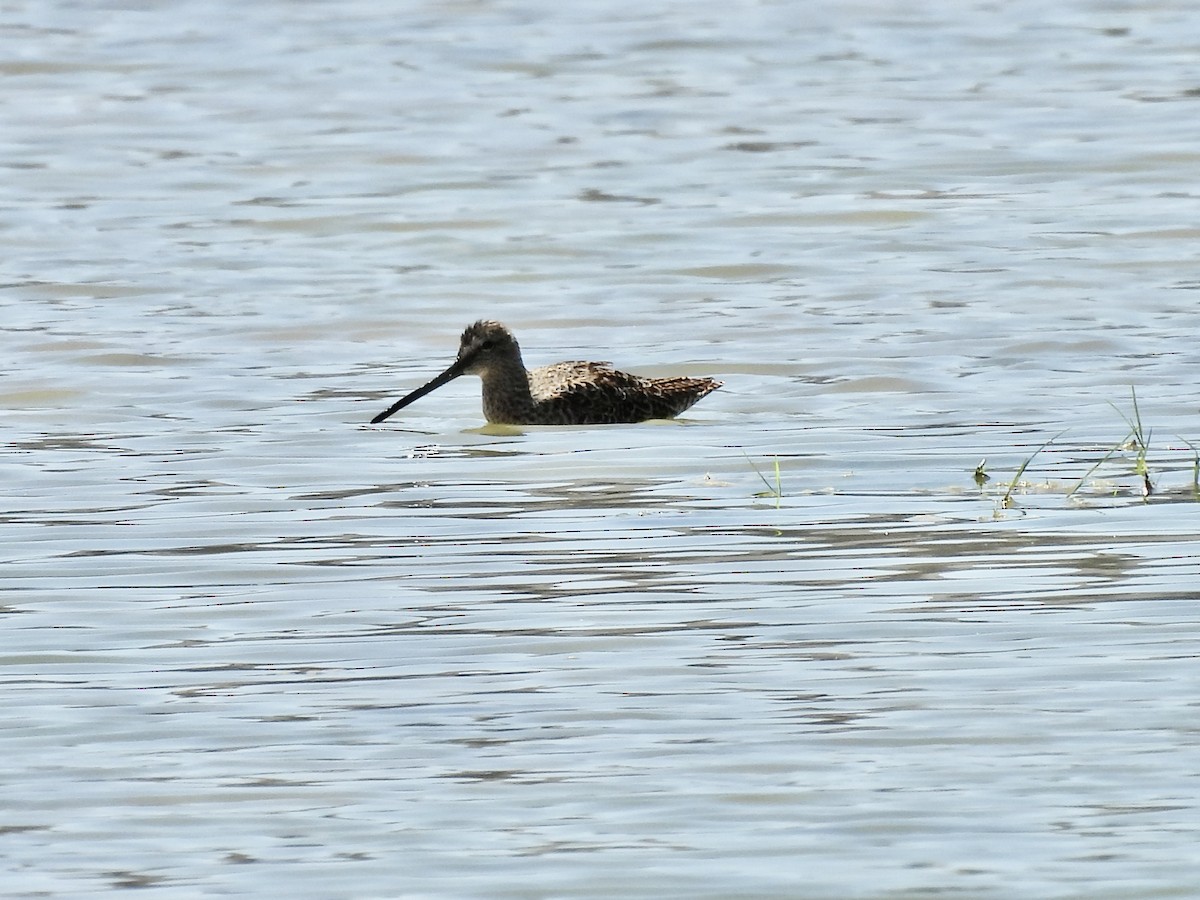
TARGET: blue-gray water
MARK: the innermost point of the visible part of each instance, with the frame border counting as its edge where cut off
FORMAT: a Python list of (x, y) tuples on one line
[(255, 647)]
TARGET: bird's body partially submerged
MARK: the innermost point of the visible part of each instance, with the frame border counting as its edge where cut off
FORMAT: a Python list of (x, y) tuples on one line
[(566, 393)]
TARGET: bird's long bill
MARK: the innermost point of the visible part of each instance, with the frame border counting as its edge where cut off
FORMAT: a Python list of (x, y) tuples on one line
[(449, 375)]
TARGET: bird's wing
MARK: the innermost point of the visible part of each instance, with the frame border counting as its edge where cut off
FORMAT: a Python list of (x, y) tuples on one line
[(579, 379)]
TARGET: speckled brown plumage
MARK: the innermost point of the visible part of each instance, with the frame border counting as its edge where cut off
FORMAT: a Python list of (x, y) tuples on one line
[(566, 393)]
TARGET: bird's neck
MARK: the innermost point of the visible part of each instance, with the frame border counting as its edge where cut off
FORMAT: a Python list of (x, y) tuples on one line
[(506, 394)]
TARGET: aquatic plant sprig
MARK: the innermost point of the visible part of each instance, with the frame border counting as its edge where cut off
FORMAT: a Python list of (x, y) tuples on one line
[(1195, 469), (777, 490), (1007, 502), (1088, 474), (1139, 440), (981, 477)]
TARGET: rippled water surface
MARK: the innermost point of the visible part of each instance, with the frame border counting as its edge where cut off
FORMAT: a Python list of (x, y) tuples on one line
[(786, 646)]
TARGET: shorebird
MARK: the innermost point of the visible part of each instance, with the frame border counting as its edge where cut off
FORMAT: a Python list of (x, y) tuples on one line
[(566, 393)]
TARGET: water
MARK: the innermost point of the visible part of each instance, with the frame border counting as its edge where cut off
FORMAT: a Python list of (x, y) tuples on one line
[(255, 647)]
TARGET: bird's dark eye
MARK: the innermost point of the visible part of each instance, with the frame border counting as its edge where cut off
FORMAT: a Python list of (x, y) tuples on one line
[(487, 345)]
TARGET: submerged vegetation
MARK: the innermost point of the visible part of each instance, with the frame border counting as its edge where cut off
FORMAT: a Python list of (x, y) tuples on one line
[(1133, 450), (1124, 469)]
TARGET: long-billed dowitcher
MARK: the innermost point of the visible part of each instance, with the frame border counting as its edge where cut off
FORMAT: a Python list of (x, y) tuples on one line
[(566, 393)]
